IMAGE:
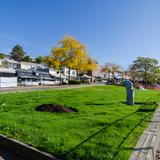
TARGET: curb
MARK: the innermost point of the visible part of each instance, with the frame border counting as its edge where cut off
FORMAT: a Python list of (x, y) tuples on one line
[(41, 88), (23, 150), (148, 143)]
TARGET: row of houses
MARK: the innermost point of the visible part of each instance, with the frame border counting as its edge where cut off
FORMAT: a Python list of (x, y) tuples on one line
[(13, 73), (29, 73)]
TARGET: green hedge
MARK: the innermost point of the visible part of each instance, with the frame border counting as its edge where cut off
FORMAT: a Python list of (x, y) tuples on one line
[(2, 56), (85, 81), (74, 82)]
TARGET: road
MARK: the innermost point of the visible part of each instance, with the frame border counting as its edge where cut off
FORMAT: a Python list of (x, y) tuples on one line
[(38, 88)]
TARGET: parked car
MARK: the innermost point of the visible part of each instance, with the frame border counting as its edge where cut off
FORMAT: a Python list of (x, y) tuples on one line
[(155, 85), (110, 82)]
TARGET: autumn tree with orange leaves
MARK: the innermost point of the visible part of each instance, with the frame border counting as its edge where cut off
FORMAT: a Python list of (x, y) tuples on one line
[(72, 54)]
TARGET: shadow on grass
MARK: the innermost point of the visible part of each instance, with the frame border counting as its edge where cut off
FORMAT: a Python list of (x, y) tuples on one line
[(137, 149), (119, 146), (93, 135), (140, 103), (136, 103), (146, 110), (141, 109), (142, 149)]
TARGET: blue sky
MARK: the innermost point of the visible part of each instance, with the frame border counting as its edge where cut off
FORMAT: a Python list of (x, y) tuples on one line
[(114, 30)]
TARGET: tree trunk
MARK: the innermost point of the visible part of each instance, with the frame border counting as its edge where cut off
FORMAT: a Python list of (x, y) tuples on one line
[(145, 76), (145, 82), (78, 75), (60, 77), (91, 77), (69, 73)]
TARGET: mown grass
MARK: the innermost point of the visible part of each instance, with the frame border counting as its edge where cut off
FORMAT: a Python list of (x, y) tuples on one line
[(104, 128)]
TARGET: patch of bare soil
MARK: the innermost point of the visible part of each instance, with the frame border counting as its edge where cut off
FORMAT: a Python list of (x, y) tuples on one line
[(55, 108)]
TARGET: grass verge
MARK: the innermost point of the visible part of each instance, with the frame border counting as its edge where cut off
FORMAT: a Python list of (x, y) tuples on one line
[(103, 128)]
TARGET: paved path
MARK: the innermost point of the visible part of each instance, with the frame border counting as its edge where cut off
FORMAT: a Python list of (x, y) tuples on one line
[(38, 88), (148, 143), (5, 154), (158, 153)]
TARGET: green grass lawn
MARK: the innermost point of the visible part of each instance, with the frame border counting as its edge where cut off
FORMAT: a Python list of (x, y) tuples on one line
[(104, 128)]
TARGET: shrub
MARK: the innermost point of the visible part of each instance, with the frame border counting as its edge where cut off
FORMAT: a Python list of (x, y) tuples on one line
[(85, 81), (123, 83), (64, 83), (2, 56), (110, 82), (74, 82)]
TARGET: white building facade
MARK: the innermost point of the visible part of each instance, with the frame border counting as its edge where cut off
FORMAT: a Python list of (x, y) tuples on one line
[(30, 65), (73, 73)]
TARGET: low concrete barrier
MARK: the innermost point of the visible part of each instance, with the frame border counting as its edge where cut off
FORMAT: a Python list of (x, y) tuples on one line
[(47, 82), (8, 82), (23, 150), (29, 83)]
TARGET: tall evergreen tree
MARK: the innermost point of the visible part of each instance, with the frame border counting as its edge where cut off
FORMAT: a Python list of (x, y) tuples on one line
[(39, 59), (27, 58), (17, 53)]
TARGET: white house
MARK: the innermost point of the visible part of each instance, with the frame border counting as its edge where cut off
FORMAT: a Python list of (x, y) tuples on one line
[(73, 73), (8, 82), (1, 63), (7, 73), (8, 63), (29, 65), (59, 77)]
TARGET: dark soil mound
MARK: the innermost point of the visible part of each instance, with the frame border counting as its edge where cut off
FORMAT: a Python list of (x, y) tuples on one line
[(55, 108)]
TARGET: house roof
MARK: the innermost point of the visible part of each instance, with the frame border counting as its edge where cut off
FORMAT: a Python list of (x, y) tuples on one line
[(85, 76), (36, 64), (10, 61)]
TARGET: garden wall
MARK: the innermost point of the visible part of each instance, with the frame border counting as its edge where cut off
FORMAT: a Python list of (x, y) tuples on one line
[(8, 82)]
